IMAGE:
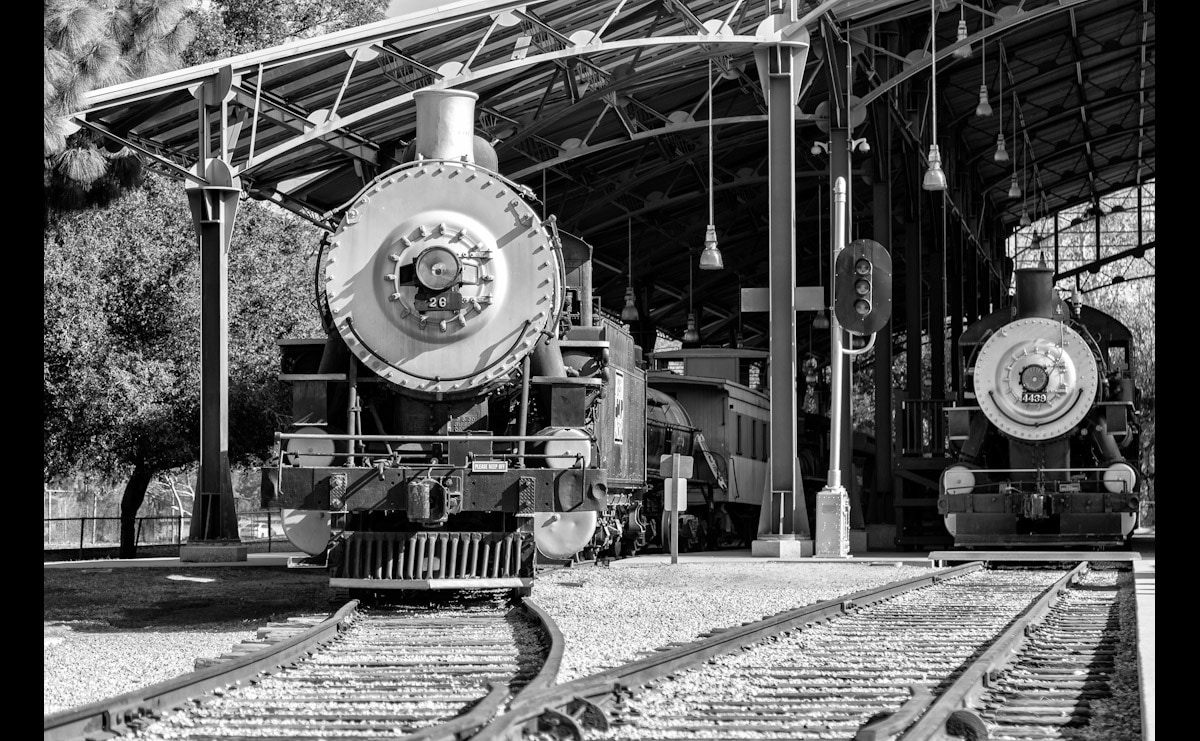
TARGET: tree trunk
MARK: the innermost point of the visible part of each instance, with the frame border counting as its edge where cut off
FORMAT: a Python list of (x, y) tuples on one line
[(131, 502)]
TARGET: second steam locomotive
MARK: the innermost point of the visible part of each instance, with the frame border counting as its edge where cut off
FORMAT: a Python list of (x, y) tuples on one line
[(1045, 427)]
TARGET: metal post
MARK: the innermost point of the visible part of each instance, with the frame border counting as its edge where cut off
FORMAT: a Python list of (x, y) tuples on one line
[(832, 502), (675, 511)]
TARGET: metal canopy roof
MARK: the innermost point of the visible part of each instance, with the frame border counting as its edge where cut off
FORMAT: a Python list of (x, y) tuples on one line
[(601, 109)]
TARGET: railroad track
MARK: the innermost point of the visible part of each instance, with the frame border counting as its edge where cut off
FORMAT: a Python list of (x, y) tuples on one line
[(872, 670), (366, 672)]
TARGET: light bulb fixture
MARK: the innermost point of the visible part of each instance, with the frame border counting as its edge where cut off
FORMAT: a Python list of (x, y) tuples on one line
[(1001, 154), (630, 312), (821, 321), (1014, 190), (710, 257), (935, 179), (984, 108), (964, 51), (1024, 184), (691, 334)]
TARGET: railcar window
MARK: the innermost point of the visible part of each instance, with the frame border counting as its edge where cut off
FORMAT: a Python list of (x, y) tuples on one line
[(738, 449)]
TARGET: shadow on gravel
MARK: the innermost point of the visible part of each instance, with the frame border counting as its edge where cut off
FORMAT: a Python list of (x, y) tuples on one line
[(216, 599)]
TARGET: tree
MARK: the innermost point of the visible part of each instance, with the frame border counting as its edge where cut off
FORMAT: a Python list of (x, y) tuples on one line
[(121, 359), (86, 45), (230, 27)]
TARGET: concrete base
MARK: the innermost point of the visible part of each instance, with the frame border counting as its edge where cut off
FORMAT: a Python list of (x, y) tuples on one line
[(881, 537), (212, 552), (858, 541), (772, 548)]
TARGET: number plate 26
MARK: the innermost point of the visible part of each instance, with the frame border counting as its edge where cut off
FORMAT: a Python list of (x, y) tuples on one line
[(444, 301)]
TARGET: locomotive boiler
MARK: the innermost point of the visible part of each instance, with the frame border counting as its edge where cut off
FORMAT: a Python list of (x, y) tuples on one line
[(468, 406), (1045, 426)]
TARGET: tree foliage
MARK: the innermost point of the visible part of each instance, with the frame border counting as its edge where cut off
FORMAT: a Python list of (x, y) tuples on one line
[(227, 28), (87, 45), (121, 359)]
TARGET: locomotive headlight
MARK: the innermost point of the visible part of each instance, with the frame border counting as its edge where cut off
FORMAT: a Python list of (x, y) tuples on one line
[(958, 480), (1120, 478), (437, 268), (1034, 378)]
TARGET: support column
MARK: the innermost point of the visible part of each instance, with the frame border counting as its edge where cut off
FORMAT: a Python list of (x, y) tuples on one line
[(881, 528), (214, 533), (937, 296), (783, 523)]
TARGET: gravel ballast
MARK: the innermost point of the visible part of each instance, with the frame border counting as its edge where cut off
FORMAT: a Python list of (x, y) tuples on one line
[(608, 615)]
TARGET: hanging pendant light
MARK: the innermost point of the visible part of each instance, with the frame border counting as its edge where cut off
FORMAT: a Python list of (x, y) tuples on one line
[(1024, 185), (1014, 190), (935, 178), (1001, 153), (964, 51), (984, 108), (710, 257), (630, 312), (691, 334)]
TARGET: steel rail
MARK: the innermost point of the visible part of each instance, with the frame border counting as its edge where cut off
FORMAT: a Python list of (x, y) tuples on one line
[(955, 701), (464, 726), (112, 715), (572, 702)]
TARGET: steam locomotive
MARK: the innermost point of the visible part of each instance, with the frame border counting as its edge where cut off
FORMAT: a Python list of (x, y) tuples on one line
[(472, 410), (1044, 429), (467, 405)]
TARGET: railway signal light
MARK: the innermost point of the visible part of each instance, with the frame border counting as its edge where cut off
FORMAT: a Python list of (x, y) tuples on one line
[(862, 298)]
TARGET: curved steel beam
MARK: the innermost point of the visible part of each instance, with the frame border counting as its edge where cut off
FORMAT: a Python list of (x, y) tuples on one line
[(1029, 16)]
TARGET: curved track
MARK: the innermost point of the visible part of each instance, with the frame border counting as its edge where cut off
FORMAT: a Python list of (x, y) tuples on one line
[(366, 672)]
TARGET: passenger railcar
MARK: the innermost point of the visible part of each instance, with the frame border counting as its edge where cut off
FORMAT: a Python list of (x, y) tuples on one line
[(730, 414), (1045, 428)]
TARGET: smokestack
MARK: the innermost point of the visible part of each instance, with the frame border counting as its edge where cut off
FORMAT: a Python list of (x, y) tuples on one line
[(1035, 293), (446, 124)]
